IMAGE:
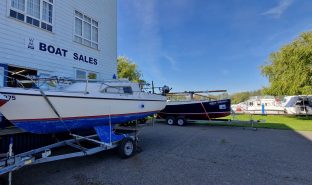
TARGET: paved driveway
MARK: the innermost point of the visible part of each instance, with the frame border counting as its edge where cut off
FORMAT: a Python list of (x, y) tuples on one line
[(189, 155)]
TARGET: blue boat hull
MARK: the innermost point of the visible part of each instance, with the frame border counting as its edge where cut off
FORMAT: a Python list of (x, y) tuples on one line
[(49, 126)]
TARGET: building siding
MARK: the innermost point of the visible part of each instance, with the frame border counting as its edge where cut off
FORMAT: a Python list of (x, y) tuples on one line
[(14, 36)]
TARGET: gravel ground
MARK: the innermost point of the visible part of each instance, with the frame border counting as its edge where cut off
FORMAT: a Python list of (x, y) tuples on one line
[(189, 155)]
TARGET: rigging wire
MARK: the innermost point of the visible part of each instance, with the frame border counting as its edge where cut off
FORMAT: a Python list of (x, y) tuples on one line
[(44, 96)]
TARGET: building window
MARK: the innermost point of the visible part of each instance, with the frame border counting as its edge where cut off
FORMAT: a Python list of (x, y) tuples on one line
[(82, 75), (18, 4), (38, 13), (92, 76), (86, 30)]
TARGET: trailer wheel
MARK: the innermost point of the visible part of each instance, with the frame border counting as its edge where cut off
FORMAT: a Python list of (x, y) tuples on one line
[(127, 148), (181, 121), (170, 120)]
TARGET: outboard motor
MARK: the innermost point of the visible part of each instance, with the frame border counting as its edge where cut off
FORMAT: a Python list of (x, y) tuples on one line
[(165, 90)]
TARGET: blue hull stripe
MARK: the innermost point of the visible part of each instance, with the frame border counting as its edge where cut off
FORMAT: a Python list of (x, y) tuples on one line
[(56, 126)]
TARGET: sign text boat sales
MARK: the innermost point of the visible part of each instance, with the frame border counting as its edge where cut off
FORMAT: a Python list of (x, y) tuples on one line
[(49, 48), (63, 53)]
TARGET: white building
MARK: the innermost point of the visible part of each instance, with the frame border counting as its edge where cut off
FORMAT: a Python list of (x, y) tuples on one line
[(65, 38)]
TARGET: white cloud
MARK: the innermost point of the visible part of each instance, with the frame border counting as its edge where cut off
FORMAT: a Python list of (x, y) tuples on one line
[(278, 10), (172, 62), (149, 40)]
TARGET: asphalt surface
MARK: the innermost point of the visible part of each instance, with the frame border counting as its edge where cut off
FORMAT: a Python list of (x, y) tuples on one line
[(189, 155)]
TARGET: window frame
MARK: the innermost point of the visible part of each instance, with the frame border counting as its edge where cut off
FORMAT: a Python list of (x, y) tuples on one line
[(87, 75), (26, 10), (41, 12), (93, 24), (25, 14), (118, 90), (16, 9)]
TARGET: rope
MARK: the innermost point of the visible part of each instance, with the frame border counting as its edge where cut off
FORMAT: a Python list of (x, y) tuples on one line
[(205, 110), (45, 97), (54, 110)]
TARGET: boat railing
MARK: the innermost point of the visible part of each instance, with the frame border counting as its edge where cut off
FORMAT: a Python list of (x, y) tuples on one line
[(59, 84)]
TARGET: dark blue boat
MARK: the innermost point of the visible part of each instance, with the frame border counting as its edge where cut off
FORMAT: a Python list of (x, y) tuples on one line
[(179, 111)]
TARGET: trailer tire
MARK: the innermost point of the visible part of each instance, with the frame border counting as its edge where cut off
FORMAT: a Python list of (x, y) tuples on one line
[(170, 120), (127, 148), (181, 121)]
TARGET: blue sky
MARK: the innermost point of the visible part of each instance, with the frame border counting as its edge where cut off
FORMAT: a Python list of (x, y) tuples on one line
[(208, 44)]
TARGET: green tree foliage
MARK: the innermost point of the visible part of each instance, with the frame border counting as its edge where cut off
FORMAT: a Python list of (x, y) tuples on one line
[(290, 70), (243, 96), (127, 69)]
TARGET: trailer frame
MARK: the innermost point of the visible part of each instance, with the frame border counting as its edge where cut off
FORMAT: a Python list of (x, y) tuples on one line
[(45, 154)]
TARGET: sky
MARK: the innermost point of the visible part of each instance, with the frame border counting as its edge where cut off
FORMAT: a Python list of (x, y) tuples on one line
[(208, 44)]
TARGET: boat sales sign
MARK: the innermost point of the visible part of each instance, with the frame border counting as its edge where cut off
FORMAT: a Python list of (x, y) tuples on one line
[(51, 49)]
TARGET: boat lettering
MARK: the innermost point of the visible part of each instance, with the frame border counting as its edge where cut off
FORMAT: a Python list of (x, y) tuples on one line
[(222, 106), (9, 97), (86, 59), (59, 51), (53, 50)]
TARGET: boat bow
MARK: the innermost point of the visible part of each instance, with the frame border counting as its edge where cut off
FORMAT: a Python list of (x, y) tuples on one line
[(3, 100)]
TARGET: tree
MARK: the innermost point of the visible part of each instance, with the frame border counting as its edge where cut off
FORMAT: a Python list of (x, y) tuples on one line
[(290, 70), (127, 69), (243, 96)]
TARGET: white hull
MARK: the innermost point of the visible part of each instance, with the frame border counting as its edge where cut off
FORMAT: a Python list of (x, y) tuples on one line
[(299, 110), (64, 110), (35, 107), (267, 110)]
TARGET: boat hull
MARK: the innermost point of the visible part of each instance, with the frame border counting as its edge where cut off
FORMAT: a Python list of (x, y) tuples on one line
[(45, 126), (197, 110), (32, 112), (271, 110)]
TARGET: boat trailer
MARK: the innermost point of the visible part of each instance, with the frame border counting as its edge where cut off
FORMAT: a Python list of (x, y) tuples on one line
[(124, 137)]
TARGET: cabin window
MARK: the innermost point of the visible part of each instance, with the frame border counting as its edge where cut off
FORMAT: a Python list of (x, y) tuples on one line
[(86, 30), (127, 90), (112, 90), (299, 102), (117, 89), (306, 102), (38, 13)]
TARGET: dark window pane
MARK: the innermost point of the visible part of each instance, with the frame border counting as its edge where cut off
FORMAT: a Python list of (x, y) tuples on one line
[(49, 28), (13, 14), (29, 20), (44, 25), (127, 90), (36, 22), (20, 17)]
